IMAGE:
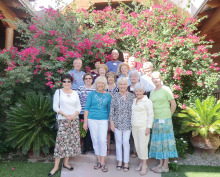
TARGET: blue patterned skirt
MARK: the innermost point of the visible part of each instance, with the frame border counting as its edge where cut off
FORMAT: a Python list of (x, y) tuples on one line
[(163, 144)]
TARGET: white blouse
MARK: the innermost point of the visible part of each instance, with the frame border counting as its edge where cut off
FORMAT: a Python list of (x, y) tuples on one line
[(68, 104), (142, 113)]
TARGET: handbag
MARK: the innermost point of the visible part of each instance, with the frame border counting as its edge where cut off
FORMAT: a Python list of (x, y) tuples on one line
[(55, 125)]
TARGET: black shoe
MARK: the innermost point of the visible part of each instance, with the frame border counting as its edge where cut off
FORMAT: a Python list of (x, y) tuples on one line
[(50, 174), (70, 169)]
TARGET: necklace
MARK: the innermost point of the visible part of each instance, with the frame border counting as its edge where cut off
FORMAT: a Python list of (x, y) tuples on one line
[(68, 92)]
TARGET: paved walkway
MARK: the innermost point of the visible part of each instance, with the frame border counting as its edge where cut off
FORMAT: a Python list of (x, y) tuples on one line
[(83, 167)]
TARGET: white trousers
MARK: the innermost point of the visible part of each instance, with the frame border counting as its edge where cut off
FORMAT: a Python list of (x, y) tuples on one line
[(122, 138), (98, 131), (141, 141)]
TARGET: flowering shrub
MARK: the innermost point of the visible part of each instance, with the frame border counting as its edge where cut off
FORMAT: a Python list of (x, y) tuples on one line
[(159, 35), (49, 45), (155, 34)]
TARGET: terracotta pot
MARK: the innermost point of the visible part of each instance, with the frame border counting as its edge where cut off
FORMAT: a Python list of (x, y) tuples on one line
[(209, 144)]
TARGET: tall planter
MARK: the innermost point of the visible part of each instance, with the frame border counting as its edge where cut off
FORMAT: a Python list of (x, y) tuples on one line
[(209, 144)]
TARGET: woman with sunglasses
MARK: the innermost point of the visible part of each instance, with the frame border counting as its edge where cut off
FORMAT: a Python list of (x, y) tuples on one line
[(67, 105), (83, 92)]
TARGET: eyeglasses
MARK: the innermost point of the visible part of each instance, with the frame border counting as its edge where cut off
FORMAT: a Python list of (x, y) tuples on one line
[(66, 81), (88, 78)]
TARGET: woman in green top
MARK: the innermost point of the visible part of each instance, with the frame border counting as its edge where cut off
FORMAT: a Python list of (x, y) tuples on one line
[(163, 144)]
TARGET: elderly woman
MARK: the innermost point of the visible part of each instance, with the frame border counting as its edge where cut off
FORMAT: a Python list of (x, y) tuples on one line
[(112, 89), (120, 117), (94, 72), (134, 77), (83, 92), (67, 105), (111, 79), (146, 78), (142, 120), (162, 144), (123, 70), (96, 119), (102, 70)]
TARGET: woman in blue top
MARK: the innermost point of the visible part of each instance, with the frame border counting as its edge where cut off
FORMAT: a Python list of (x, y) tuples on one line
[(96, 119)]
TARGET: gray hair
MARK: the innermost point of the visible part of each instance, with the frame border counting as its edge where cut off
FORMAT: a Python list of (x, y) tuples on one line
[(116, 51), (156, 73), (139, 86), (122, 79), (134, 72), (148, 63)]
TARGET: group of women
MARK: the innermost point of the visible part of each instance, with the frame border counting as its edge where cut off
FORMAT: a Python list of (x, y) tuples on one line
[(124, 108)]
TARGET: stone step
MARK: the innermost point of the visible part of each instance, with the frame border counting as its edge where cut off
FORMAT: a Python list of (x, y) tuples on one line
[(84, 167)]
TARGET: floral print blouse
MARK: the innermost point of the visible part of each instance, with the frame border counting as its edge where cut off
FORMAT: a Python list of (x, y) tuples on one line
[(120, 111)]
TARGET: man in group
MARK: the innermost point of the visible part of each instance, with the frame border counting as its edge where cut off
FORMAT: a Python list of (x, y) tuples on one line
[(77, 74), (113, 65), (126, 56)]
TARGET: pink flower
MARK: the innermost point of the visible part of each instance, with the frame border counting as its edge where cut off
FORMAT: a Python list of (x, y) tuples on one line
[(12, 168), (35, 71), (60, 71), (175, 96), (1, 83), (9, 68), (199, 72), (52, 33), (32, 27), (184, 106), (188, 72), (50, 83), (61, 59), (177, 87), (81, 120)]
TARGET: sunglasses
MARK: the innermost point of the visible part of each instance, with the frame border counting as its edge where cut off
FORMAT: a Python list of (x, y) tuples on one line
[(66, 81), (88, 78)]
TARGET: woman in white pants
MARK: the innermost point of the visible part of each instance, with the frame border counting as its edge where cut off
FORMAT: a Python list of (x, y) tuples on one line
[(96, 119), (142, 120), (120, 117)]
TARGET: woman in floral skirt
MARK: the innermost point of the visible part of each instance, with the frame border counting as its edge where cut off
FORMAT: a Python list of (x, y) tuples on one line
[(67, 105), (163, 144)]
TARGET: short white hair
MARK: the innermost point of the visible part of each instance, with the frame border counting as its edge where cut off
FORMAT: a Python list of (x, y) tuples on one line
[(139, 86), (148, 63), (116, 51), (134, 72), (132, 58), (156, 73), (122, 79), (100, 79)]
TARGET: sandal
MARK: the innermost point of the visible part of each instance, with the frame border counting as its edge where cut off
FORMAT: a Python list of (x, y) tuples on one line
[(125, 169), (138, 168), (104, 168), (118, 167), (144, 171), (97, 166), (155, 168), (161, 170)]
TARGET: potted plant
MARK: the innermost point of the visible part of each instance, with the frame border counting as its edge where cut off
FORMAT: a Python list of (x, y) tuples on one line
[(204, 123)]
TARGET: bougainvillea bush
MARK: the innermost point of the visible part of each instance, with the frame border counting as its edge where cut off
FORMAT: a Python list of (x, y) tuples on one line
[(158, 34), (49, 45), (151, 33)]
